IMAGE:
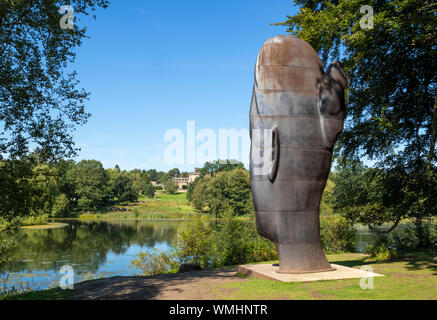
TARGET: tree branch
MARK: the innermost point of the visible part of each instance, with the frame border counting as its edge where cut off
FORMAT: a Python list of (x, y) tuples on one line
[(373, 229)]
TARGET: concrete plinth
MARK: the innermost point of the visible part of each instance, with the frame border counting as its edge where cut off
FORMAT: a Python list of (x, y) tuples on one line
[(269, 271)]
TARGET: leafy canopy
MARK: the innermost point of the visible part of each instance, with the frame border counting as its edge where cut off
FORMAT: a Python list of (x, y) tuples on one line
[(391, 71), (40, 102)]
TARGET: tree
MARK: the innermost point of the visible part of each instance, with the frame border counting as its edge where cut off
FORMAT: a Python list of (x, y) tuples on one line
[(149, 190), (89, 180), (211, 168), (173, 173), (230, 189), (141, 181), (198, 193), (374, 196), (391, 115), (39, 100), (153, 174), (391, 73), (171, 186)]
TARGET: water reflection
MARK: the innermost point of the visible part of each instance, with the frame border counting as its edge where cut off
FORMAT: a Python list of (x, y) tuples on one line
[(93, 249)]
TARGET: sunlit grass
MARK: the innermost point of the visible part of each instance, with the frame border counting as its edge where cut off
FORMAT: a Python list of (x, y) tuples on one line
[(411, 277), (162, 206)]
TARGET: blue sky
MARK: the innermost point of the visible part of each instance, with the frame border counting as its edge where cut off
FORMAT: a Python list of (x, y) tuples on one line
[(154, 65)]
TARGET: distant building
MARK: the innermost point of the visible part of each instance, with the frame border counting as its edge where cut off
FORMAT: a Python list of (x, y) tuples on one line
[(187, 180)]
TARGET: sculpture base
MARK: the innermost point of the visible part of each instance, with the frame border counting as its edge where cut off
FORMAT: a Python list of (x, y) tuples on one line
[(270, 272), (304, 272)]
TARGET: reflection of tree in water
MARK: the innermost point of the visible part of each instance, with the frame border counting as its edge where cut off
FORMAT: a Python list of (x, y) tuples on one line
[(86, 243)]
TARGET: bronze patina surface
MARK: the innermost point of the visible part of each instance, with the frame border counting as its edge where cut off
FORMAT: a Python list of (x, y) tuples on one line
[(296, 115)]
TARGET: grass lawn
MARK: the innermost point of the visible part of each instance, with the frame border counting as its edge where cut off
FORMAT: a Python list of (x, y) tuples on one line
[(412, 277), (161, 207)]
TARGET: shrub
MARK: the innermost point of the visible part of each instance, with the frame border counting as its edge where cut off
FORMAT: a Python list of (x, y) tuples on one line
[(380, 251), (193, 244), (236, 241), (232, 242), (337, 234), (61, 206), (151, 263), (35, 220), (410, 238), (6, 247)]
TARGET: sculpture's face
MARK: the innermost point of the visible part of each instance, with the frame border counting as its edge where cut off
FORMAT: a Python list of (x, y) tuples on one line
[(296, 115)]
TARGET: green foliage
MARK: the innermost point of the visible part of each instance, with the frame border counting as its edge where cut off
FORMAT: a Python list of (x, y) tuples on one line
[(140, 181), (35, 220), (193, 244), (149, 190), (337, 234), (61, 206), (7, 247), (231, 242), (391, 113), (152, 263), (380, 251), (198, 194), (89, 180), (211, 168), (170, 186), (410, 238), (225, 189), (390, 69), (235, 241), (15, 190), (173, 173), (374, 196), (39, 99)]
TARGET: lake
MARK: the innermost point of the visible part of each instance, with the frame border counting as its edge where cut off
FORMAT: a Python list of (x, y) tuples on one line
[(95, 249)]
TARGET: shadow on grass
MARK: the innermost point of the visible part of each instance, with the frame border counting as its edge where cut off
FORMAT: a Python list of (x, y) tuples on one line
[(415, 261), (422, 260)]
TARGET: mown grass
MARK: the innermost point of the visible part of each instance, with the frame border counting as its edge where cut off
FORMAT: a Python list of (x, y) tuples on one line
[(163, 206), (412, 277)]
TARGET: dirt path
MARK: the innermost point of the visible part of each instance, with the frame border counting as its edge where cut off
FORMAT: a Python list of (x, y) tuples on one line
[(179, 286)]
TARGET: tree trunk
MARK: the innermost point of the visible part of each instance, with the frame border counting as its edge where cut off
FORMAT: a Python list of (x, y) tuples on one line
[(434, 133)]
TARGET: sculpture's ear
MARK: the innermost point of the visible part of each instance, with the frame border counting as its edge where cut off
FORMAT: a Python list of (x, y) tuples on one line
[(273, 172), (331, 90), (336, 73)]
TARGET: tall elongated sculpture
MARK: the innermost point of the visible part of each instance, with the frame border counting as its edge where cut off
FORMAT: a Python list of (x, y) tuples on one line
[(296, 115)]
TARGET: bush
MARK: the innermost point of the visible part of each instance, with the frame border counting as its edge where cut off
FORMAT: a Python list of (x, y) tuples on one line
[(151, 263), (380, 251), (61, 206), (6, 247), (337, 234), (35, 220), (236, 242), (410, 238), (193, 244), (232, 242)]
